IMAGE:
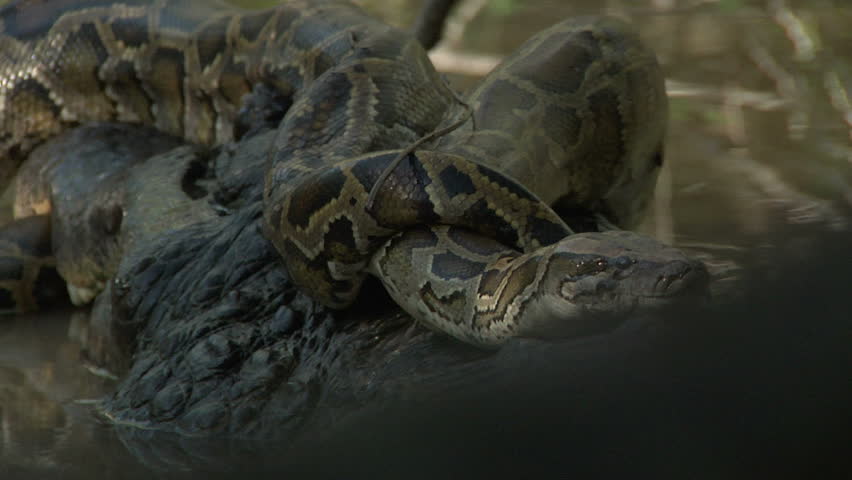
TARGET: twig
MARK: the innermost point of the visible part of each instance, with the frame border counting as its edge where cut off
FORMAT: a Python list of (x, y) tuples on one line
[(428, 137), (429, 24)]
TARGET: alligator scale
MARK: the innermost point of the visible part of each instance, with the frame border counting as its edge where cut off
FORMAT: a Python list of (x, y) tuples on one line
[(462, 230)]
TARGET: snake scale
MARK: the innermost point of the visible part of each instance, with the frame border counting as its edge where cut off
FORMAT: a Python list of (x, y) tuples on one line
[(461, 230)]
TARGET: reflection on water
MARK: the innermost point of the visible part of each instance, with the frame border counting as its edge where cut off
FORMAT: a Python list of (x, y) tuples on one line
[(761, 128), (46, 392)]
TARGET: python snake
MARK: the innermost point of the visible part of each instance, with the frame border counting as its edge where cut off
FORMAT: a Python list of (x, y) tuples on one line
[(461, 232)]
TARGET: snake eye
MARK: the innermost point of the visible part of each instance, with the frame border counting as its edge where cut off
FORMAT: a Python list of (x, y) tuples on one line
[(623, 262), (576, 266), (591, 266)]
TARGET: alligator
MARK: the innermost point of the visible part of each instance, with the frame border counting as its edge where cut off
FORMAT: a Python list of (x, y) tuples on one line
[(208, 333), (197, 313)]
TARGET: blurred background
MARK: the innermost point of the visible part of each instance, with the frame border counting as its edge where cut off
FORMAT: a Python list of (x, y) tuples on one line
[(760, 131)]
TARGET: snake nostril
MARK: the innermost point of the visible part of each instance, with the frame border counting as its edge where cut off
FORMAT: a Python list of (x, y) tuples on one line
[(690, 277), (663, 282), (696, 278)]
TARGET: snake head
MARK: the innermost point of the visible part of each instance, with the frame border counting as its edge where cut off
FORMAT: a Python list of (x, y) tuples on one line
[(592, 280)]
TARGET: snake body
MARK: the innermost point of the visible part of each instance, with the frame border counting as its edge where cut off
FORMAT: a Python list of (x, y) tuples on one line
[(574, 119)]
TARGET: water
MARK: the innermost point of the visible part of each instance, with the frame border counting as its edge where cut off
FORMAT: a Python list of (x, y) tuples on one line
[(760, 142)]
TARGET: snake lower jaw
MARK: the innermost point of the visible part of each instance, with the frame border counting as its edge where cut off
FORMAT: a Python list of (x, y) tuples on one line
[(576, 321)]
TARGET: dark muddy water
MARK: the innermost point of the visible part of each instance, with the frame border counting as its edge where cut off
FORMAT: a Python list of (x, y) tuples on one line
[(758, 166)]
